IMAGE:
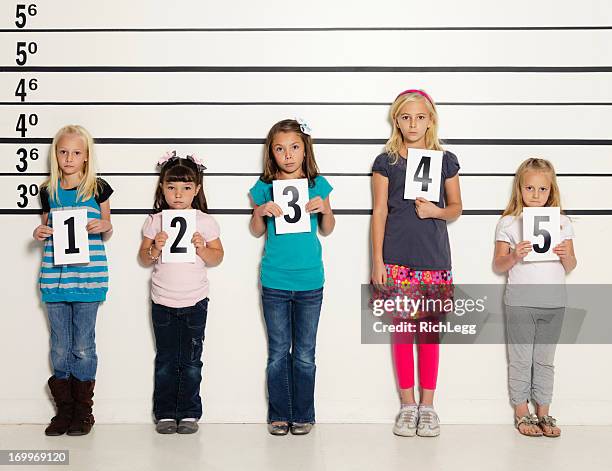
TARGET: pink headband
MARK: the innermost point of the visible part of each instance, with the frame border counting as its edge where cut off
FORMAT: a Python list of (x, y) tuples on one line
[(418, 92)]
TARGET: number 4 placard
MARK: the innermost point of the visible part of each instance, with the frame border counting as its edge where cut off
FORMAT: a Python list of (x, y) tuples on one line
[(423, 174), (180, 225), (542, 227), (291, 196), (70, 238)]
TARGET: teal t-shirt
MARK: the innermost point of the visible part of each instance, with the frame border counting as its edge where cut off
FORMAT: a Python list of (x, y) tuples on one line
[(292, 262)]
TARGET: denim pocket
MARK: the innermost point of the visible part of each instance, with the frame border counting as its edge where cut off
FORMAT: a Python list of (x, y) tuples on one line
[(161, 317), (196, 317)]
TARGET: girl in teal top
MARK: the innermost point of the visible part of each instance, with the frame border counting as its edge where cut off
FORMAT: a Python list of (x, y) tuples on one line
[(291, 277)]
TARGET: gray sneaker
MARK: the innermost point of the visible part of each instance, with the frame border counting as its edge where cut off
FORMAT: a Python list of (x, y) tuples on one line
[(429, 422), (406, 421), (187, 426), (300, 428), (166, 426)]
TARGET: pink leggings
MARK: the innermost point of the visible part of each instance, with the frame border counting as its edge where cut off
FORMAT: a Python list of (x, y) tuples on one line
[(403, 357)]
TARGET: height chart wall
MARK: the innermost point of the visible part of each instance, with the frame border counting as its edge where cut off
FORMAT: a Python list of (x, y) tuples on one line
[(145, 77)]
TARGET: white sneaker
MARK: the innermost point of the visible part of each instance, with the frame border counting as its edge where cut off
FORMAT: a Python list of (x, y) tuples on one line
[(429, 422), (406, 421)]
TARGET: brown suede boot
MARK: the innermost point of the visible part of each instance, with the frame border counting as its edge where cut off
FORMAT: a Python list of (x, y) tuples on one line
[(82, 418), (62, 395)]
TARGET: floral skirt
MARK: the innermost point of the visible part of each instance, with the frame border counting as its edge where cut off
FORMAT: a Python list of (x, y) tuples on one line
[(415, 294)]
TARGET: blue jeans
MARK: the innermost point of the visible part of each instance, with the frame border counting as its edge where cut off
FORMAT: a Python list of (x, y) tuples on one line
[(73, 339), (179, 337), (292, 318)]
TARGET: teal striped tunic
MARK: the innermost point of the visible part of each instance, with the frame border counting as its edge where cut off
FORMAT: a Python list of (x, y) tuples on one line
[(86, 282)]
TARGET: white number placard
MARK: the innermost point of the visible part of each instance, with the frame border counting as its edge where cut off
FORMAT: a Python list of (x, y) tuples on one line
[(70, 238), (180, 225), (291, 196), (542, 227), (423, 174)]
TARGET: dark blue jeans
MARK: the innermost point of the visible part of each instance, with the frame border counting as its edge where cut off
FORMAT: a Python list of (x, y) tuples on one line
[(292, 318), (179, 336), (73, 339)]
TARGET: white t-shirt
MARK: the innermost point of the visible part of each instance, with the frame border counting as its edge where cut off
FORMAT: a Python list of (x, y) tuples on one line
[(532, 275)]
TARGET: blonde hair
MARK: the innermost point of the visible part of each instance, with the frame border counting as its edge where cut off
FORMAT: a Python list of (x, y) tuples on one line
[(396, 141), (88, 187), (515, 205)]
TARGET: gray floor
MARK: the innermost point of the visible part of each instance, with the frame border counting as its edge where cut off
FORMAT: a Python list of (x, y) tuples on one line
[(328, 447)]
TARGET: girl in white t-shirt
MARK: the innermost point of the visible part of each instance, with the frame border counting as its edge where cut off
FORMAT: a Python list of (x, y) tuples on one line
[(179, 294), (534, 313)]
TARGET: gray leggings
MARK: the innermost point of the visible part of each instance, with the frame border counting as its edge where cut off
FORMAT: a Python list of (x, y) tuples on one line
[(532, 336)]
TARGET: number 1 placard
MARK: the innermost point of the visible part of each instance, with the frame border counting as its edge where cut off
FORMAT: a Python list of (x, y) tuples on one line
[(542, 227), (70, 238), (291, 196), (423, 174), (180, 225)]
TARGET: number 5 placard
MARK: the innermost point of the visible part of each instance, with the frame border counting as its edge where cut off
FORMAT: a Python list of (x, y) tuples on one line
[(423, 174), (542, 227), (180, 225), (291, 196), (70, 238)]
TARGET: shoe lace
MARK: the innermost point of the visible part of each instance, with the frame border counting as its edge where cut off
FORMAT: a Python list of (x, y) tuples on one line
[(427, 416), (407, 415)]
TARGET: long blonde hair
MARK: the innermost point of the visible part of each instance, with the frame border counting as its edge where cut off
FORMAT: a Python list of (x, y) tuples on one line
[(87, 186), (515, 205), (396, 141)]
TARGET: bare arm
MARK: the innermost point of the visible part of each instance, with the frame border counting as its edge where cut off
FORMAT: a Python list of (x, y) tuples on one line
[(565, 252), (327, 221), (103, 225), (106, 216), (454, 206), (322, 207), (452, 210), (211, 253), (505, 258), (257, 225), (143, 252), (380, 192), (43, 231)]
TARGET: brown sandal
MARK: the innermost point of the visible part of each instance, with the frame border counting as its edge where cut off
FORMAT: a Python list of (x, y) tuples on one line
[(527, 420), (551, 422)]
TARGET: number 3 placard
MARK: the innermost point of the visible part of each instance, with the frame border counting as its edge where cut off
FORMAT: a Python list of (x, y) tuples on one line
[(542, 227), (291, 196), (70, 238), (423, 174), (180, 225)]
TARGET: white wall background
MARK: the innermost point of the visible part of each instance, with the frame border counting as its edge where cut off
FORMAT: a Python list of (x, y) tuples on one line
[(507, 89)]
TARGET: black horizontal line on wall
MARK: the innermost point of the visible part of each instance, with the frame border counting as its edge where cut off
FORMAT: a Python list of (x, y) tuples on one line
[(325, 174), (341, 212), (287, 103), (248, 69), (308, 29), (348, 141)]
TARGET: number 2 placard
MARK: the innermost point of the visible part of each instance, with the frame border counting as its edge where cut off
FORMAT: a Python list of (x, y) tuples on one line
[(180, 225), (423, 174), (291, 196), (542, 227), (70, 238)]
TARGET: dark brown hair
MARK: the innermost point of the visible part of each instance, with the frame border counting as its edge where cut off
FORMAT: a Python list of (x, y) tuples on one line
[(309, 165), (180, 170)]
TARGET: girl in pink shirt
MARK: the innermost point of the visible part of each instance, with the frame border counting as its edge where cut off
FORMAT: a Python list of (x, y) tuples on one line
[(179, 294)]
